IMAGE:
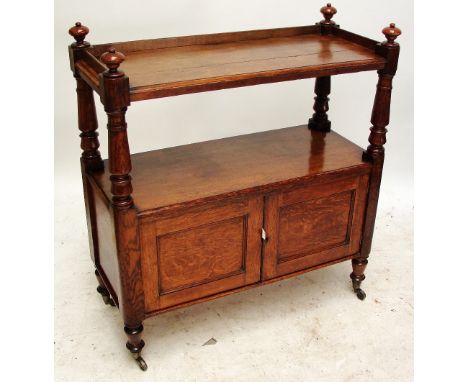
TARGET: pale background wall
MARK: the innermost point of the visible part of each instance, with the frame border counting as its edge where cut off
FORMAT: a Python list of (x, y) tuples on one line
[(198, 117)]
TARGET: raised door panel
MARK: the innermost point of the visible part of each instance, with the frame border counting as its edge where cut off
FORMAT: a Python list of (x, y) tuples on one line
[(199, 253), (313, 225), (202, 254)]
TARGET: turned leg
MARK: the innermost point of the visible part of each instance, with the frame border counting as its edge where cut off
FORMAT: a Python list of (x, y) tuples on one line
[(102, 290), (116, 98), (319, 120), (135, 344), (359, 266), (375, 153)]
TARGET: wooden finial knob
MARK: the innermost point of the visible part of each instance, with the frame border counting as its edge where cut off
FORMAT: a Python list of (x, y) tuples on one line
[(112, 59), (391, 33), (79, 33), (328, 11)]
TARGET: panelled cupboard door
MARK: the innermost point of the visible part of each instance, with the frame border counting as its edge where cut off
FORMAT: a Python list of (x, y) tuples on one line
[(201, 252), (312, 225)]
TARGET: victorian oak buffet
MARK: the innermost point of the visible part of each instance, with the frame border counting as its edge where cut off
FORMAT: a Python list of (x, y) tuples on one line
[(200, 221)]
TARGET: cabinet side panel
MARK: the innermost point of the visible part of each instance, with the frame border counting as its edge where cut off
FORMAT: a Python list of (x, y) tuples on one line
[(106, 261), (90, 217), (359, 210)]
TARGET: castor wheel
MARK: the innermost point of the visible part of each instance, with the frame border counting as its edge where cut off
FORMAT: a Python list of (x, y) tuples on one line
[(102, 290), (135, 344), (104, 294), (361, 295), (140, 361), (108, 300)]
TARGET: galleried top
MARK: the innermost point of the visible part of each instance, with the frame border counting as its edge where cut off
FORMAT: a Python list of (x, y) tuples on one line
[(179, 65)]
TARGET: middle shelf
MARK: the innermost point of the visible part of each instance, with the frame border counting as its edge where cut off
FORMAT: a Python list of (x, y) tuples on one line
[(233, 166)]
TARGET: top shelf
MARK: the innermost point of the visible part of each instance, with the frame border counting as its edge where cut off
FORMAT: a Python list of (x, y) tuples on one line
[(180, 65)]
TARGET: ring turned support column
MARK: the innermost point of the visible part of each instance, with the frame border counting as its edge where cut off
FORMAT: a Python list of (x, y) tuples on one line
[(375, 152), (319, 120), (87, 123), (87, 120), (116, 99)]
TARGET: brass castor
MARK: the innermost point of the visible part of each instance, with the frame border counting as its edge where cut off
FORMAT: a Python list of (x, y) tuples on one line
[(361, 295), (105, 296), (140, 361), (135, 344)]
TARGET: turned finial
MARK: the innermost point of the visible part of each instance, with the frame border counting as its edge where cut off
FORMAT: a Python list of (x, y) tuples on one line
[(391, 33), (79, 33), (112, 59), (328, 11)]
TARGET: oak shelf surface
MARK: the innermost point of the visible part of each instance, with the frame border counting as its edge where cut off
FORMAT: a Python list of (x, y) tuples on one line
[(179, 65), (235, 165)]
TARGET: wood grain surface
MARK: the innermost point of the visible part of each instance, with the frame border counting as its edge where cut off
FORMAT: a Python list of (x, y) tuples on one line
[(312, 225), (198, 252), (191, 257), (167, 67), (236, 165), (177, 226)]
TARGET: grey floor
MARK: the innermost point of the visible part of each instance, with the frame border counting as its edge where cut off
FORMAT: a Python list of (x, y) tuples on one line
[(308, 328)]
